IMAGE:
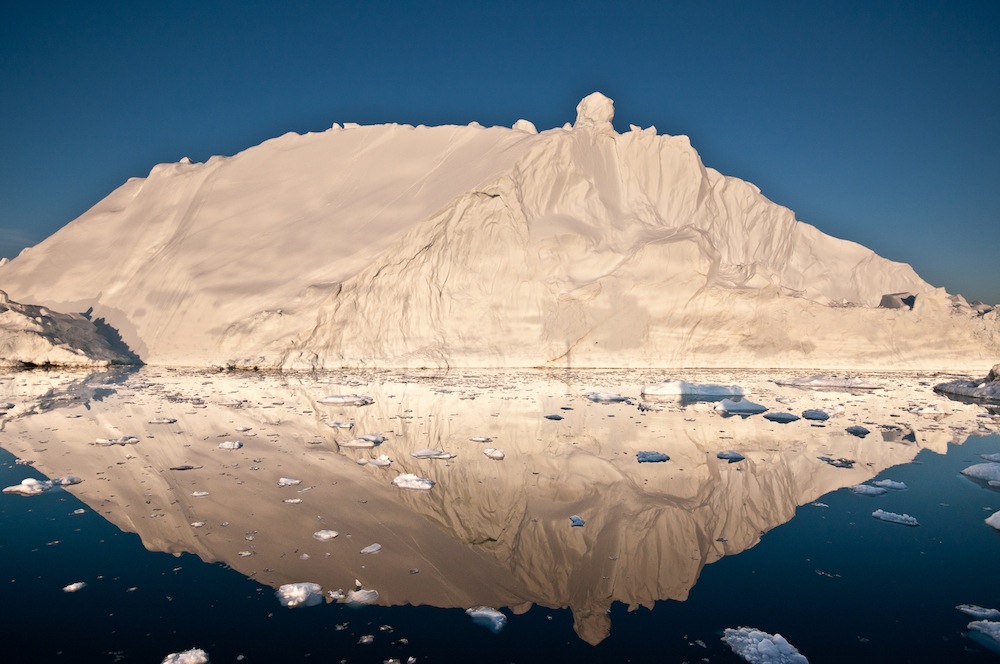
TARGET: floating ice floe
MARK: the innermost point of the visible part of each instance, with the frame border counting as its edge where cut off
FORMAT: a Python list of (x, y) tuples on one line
[(866, 490), (731, 456), (292, 501), (431, 454), (33, 487), (294, 595), (815, 414), (243, 429), (288, 481), (858, 431), (362, 596), (890, 484), (372, 548), (979, 612), (192, 656), (73, 587), (781, 418), (986, 633), (576, 521), (197, 524), (606, 397), (347, 400), (381, 461), (992, 458), (162, 420), (822, 381), (481, 439), (555, 417), (494, 453), (340, 425), (411, 481), (993, 520), (124, 440), (892, 517), (651, 457), (679, 388), (742, 407), (986, 472), (759, 647), (230, 445), (199, 494), (325, 535), (488, 617)]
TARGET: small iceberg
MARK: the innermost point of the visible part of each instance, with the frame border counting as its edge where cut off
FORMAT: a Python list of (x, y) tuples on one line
[(481, 439), (364, 441), (494, 453), (576, 522), (978, 612), (993, 520), (986, 633), (866, 490), (73, 587), (162, 420), (33, 487), (651, 457), (891, 484), (372, 548), (381, 461), (682, 388), (487, 617), (230, 445), (362, 596), (987, 389), (294, 595), (992, 458), (781, 418), (192, 656), (606, 397), (743, 407), (347, 400), (815, 414), (858, 431), (731, 456), (411, 481), (199, 494), (759, 647), (288, 481), (555, 418), (987, 472), (325, 535), (892, 517), (431, 454)]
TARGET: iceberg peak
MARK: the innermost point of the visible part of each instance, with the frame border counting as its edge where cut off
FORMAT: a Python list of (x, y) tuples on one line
[(595, 110)]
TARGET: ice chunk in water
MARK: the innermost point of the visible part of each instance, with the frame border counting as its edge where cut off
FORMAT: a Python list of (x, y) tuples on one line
[(606, 397), (986, 633), (372, 548), (230, 445), (162, 420), (576, 521), (73, 587), (858, 431), (677, 388), (866, 490), (294, 595), (33, 487), (325, 535), (488, 617), (983, 471), (781, 418), (742, 407), (890, 484), (759, 647), (481, 439), (979, 612), (431, 454), (288, 481), (815, 414), (994, 520), (651, 457), (892, 517), (994, 458), (411, 481), (731, 456), (192, 656), (362, 596), (494, 453)]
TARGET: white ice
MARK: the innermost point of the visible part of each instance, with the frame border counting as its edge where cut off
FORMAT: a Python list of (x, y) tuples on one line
[(372, 548), (73, 587), (230, 445), (494, 453), (347, 400), (825, 381), (988, 633), (288, 481), (986, 472), (890, 484), (892, 517), (759, 647), (33, 487), (866, 490), (431, 454), (192, 656), (487, 617), (605, 397), (295, 595), (411, 481), (741, 407), (162, 420), (325, 535), (979, 612), (993, 520)]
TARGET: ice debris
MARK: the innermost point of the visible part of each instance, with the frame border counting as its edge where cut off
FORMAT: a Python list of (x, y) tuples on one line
[(858, 431), (124, 440), (230, 445), (372, 548), (781, 418), (651, 457), (73, 587), (743, 407), (606, 397), (411, 481), (162, 420), (494, 453), (759, 647), (288, 481), (892, 517), (192, 656), (32, 487), (488, 617), (979, 612), (340, 424), (866, 490), (381, 461), (731, 456), (815, 414), (983, 471), (431, 454), (576, 522), (986, 633), (890, 484), (822, 381), (481, 439), (325, 535), (555, 417), (347, 400), (294, 595)]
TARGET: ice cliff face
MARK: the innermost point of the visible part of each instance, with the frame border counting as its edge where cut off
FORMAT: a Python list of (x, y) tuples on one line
[(36, 336), (466, 246)]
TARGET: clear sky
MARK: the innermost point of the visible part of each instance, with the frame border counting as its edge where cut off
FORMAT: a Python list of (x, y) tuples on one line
[(878, 121)]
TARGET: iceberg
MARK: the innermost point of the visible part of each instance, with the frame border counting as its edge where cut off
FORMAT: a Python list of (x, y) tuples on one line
[(288, 481), (651, 457), (892, 517), (431, 454), (815, 414), (743, 407), (606, 397), (890, 484), (987, 389), (978, 612), (781, 418), (33, 487), (576, 521), (230, 445), (993, 520), (295, 595), (730, 455), (73, 587), (822, 382), (494, 453), (759, 647), (866, 490), (858, 431), (488, 617), (192, 656), (987, 472), (372, 548), (986, 633), (411, 481), (347, 400), (325, 535)]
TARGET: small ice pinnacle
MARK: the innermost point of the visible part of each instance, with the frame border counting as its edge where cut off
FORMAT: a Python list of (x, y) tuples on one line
[(596, 111)]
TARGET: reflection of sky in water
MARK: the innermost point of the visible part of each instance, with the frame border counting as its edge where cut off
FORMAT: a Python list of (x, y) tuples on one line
[(495, 532)]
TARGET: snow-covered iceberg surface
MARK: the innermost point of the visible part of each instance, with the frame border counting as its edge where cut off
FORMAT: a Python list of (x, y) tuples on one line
[(759, 647), (38, 336), (653, 260), (33, 487), (987, 389)]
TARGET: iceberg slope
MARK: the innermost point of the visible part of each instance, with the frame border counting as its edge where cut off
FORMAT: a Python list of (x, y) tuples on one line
[(464, 246)]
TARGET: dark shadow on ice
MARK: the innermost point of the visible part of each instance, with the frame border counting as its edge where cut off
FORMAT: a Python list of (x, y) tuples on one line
[(113, 337)]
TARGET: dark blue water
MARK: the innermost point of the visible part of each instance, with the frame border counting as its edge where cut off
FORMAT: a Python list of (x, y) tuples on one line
[(838, 584)]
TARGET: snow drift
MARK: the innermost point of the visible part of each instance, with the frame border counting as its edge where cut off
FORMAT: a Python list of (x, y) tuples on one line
[(395, 245)]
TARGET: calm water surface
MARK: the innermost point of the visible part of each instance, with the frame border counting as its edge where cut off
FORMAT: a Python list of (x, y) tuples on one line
[(670, 555)]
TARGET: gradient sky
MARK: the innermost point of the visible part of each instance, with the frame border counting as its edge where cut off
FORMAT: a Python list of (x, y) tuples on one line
[(878, 122)]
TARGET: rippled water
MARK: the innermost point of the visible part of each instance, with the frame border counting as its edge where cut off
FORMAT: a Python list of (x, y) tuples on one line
[(670, 554)]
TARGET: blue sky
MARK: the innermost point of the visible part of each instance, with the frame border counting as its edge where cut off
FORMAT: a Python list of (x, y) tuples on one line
[(877, 122)]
